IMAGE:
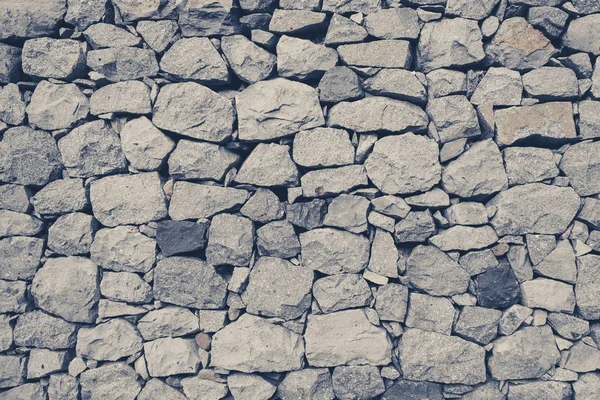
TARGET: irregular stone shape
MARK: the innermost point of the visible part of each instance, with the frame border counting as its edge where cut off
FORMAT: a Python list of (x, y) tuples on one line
[(581, 165), (29, 20), (230, 240), (60, 197), (528, 353), (478, 324), (254, 344), (297, 21), (394, 23), (68, 287), (323, 147), (12, 106), (128, 199), (20, 257), (200, 160), (548, 294), (559, 264), (529, 164), (396, 83), (539, 246), (454, 117), (478, 9), (159, 35), (125, 286), (155, 389), (193, 110), (196, 387), (123, 249), (339, 292), (439, 358), (518, 45), (434, 272), (534, 208), (248, 387), (194, 201), (130, 97), (384, 254), (268, 165), (276, 108), (428, 313), (464, 238), (478, 172), (109, 379), (343, 30), (582, 34), (589, 214), (195, 59), (10, 69), (539, 389), (379, 53), (308, 215), (277, 239), (512, 318), (586, 289), (391, 302), (83, 13), (333, 181), (169, 321), (12, 372), (206, 18), (497, 287), (72, 234), (130, 11), (41, 330), (568, 326), (174, 237), (499, 87), (53, 58), (449, 43), (14, 223), (288, 295), (340, 84), (13, 297), (357, 382), (589, 115), (145, 146), (57, 106), (331, 251), (587, 386), (109, 341), (348, 212), (551, 21), (302, 59), (248, 61), (92, 149), (345, 337), (63, 386), (315, 383), (264, 206), (551, 83), (106, 35), (341, 7), (466, 213), (405, 390), (171, 356), (123, 63), (418, 226), (189, 282), (404, 164)]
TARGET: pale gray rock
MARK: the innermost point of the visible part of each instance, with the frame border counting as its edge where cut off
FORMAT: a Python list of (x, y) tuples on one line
[(551, 83), (340, 84), (130, 97), (12, 372), (277, 239), (207, 18), (428, 313), (512, 318), (20, 257), (323, 147), (539, 246), (478, 324), (445, 82), (589, 213), (434, 198), (478, 9), (30, 20), (197, 387), (348, 212), (123, 249), (434, 272), (308, 215), (379, 53), (110, 341), (130, 11), (529, 164), (262, 115), (57, 106), (195, 59), (464, 238), (478, 172), (534, 208), (449, 43), (540, 389), (19, 224), (439, 358), (63, 387), (72, 234), (250, 387), (92, 149), (125, 286), (111, 309), (499, 87), (264, 206), (28, 391), (170, 321), (528, 353), (343, 30), (123, 63), (193, 110), (230, 240), (392, 206), (53, 58), (402, 388), (580, 164), (568, 326), (106, 381), (159, 35), (331, 340), (559, 263), (83, 13), (357, 382), (155, 389), (10, 69), (398, 84), (189, 282), (312, 5), (551, 21), (582, 34), (248, 61), (332, 251), (587, 386), (106, 35), (254, 344), (466, 213), (356, 6), (297, 22), (404, 164), (145, 146), (128, 199), (68, 287), (278, 288), (268, 165), (417, 226), (41, 330), (15, 198), (589, 119), (256, 5), (12, 106), (586, 289), (200, 160), (454, 117), (13, 298), (62, 196), (171, 356), (315, 383), (194, 201), (549, 295), (332, 181), (384, 254), (393, 23), (391, 302), (339, 292)]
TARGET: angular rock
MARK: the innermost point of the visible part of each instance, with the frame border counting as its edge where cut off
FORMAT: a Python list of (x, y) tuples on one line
[(103, 382), (264, 206), (268, 165), (200, 160), (534, 390), (168, 321), (29, 20), (428, 313), (13, 298), (194, 201), (72, 234), (339, 292), (477, 262), (498, 287), (10, 70), (19, 224), (57, 106), (230, 240), (123, 249), (529, 164), (41, 330), (512, 318), (348, 212), (323, 147), (331, 251), (248, 61), (391, 302), (159, 35), (454, 117), (586, 289), (551, 83), (145, 146), (548, 294), (464, 238), (302, 59), (12, 106), (63, 386), (174, 237), (109, 341), (20, 257), (466, 213), (580, 163), (12, 372), (357, 381), (308, 215), (394, 23), (344, 30), (559, 263), (60, 197), (277, 239), (384, 254), (568, 326), (582, 34), (478, 324), (189, 282), (297, 22), (195, 59), (331, 181), (171, 356), (589, 124), (478, 9), (125, 286), (207, 19), (106, 35), (53, 58), (130, 97), (403, 389), (312, 382), (340, 84), (341, 7), (155, 389), (123, 63), (499, 87), (379, 53), (249, 387), (418, 226)]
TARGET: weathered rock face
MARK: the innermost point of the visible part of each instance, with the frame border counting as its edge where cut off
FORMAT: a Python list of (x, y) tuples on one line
[(332, 251), (109, 341), (28, 20), (424, 271)]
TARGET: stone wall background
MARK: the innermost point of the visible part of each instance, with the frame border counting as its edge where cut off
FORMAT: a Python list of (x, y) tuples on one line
[(299, 199)]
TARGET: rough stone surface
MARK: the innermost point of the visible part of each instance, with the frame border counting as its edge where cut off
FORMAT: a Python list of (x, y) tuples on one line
[(332, 251)]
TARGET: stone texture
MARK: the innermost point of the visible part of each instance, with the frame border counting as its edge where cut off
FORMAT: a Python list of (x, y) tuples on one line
[(230, 240), (193, 201), (339, 292), (323, 147), (195, 59), (247, 60), (302, 59), (268, 165), (53, 58), (123, 248), (109, 341), (332, 251), (130, 97), (123, 63)]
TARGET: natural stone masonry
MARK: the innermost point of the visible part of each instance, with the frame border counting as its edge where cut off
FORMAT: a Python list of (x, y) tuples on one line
[(299, 200)]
